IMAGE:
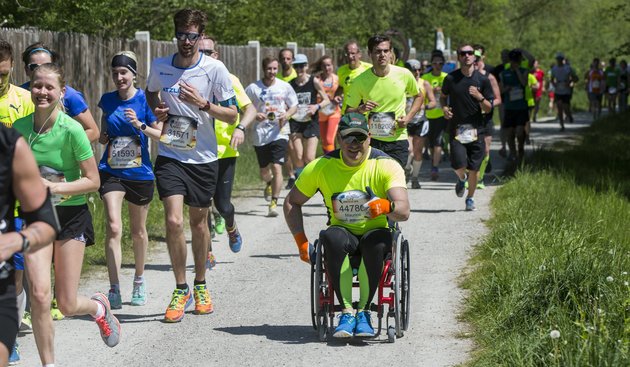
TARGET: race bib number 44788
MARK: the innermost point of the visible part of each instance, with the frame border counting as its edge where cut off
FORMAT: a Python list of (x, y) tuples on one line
[(348, 206)]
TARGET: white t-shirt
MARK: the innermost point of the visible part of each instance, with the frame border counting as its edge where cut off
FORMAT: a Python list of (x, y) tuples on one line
[(180, 139), (278, 97)]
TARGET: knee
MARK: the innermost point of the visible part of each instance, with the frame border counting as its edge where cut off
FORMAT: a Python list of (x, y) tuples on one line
[(333, 239), (40, 295), (198, 223), (114, 229), (67, 305), (174, 224), (139, 234)]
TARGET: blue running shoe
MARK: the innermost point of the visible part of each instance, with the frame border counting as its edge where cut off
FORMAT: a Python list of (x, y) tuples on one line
[(14, 358), (364, 327), (114, 298), (236, 241), (345, 329), (460, 187), (470, 205)]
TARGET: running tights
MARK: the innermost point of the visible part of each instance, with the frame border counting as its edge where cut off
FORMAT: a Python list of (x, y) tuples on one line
[(327, 131), (223, 193)]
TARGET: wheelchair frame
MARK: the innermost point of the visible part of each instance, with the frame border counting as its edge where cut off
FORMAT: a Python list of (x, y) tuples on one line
[(393, 291)]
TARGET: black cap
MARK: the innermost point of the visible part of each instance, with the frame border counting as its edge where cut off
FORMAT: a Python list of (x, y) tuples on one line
[(353, 123)]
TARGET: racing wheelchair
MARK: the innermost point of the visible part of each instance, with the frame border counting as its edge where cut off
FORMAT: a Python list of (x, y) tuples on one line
[(392, 293)]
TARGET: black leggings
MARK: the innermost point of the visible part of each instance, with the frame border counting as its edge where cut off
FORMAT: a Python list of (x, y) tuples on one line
[(372, 247), (223, 193), (8, 311)]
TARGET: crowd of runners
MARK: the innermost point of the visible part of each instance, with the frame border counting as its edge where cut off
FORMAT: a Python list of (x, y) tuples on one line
[(375, 119)]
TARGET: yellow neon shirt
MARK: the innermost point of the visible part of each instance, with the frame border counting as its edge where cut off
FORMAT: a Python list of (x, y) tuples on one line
[(15, 104), (223, 130), (435, 81), (529, 92), (287, 79), (346, 76)]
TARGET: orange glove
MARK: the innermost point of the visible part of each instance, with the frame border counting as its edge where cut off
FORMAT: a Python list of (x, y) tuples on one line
[(302, 243), (377, 206)]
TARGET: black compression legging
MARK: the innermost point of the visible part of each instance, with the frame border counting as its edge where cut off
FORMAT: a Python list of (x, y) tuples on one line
[(223, 193), (338, 243)]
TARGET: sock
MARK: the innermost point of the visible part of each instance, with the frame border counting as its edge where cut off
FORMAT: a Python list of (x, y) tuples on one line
[(138, 279), (115, 287), (274, 200), (463, 179), (100, 311), (48, 365), (416, 168), (21, 303), (183, 287), (231, 229), (482, 169), (197, 282)]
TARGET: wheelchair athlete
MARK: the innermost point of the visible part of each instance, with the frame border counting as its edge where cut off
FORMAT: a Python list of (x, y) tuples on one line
[(362, 187)]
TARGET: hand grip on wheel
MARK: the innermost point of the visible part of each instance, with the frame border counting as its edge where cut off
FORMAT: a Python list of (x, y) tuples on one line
[(376, 206)]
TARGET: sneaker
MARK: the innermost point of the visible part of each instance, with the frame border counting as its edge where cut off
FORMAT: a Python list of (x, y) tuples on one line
[(470, 205), (460, 187), (434, 174), (364, 325), (414, 183), (267, 192), (180, 301), (203, 303), (139, 294), (14, 358), (480, 185), (235, 239), (108, 323), (503, 152), (219, 224), (114, 298), (54, 311), (290, 183), (27, 324), (211, 261), (272, 209), (347, 324)]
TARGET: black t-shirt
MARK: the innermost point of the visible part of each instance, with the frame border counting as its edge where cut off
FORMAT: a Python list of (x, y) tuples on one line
[(306, 95), (497, 70), (466, 109), (8, 139)]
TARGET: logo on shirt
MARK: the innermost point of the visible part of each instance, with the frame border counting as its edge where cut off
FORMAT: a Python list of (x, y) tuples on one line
[(163, 73), (171, 90), (16, 108)]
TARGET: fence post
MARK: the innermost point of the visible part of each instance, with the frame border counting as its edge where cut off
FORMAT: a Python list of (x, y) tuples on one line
[(293, 46), (146, 36), (322, 48), (256, 45), (412, 53)]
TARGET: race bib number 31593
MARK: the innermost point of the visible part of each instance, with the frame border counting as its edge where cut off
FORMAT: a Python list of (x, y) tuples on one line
[(125, 152), (179, 132)]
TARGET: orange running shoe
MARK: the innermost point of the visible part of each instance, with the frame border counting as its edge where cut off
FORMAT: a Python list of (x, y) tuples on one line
[(203, 303), (180, 301)]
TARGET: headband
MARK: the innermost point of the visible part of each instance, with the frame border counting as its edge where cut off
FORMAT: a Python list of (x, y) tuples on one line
[(125, 61), (39, 49)]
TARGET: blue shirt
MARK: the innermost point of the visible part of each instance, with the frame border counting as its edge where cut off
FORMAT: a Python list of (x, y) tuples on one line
[(73, 100), (118, 125)]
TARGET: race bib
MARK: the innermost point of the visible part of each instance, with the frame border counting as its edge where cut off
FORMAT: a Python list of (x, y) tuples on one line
[(125, 152), (301, 115), (612, 90), (179, 132), (466, 134), (595, 84), (348, 206), (53, 175), (329, 109), (382, 124), (516, 94)]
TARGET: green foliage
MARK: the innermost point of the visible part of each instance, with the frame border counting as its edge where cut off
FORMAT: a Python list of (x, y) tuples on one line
[(557, 258)]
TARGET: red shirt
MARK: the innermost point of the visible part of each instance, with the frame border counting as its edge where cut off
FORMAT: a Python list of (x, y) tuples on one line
[(540, 76)]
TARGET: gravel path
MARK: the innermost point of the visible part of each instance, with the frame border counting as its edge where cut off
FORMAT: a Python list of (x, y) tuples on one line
[(261, 295)]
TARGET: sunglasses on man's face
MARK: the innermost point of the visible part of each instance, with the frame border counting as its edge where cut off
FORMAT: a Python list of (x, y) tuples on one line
[(466, 53), (349, 139), (183, 36)]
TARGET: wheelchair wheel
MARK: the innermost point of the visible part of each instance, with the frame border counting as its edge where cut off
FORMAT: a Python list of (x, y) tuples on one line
[(398, 285), (319, 288), (406, 288), (314, 295), (391, 334)]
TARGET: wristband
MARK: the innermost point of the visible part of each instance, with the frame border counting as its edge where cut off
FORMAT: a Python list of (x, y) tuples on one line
[(240, 127), (206, 107), (482, 99), (25, 242)]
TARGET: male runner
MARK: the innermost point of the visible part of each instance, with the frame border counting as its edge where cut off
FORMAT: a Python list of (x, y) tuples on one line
[(348, 72)]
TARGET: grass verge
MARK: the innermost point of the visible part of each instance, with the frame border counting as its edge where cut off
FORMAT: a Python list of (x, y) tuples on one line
[(549, 285)]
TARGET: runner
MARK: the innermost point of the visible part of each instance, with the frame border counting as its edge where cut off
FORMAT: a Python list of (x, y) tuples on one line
[(64, 155), (73, 101), (288, 74), (330, 115), (513, 83), (348, 72), (470, 96), (612, 73), (181, 89), (19, 180), (370, 181), (595, 82), (304, 123), (623, 85), (381, 93), (126, 173), (275, 102), (437, 123), (563, 77), (229, 137), (539, 74)]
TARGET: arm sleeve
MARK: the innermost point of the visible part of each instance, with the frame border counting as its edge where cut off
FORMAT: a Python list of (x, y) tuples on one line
[(412, 87), (446, 85), (486, 89), (393, 174), (222, 89), (353, 95), (149, 117), (291, 98), (241, 97), (80, 144), (308, 181), (74, 102)]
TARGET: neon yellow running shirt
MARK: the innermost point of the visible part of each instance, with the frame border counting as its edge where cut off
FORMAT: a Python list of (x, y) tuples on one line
[(346, 76), (15, 104), (287, 79), (223, 130), (435, 81)]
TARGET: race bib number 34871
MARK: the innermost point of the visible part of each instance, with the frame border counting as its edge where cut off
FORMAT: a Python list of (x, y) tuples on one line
[(180, 132)]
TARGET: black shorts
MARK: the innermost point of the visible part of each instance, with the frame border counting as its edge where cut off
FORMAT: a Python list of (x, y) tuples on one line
[(488, 127), (196, 182), (515, 118), (8, 309), (273, 152), (415, 129), (76, 224), (308, 129), (136, 192), (593, 97), (468, 155), (564, 98), (399, 149), (436, 130)]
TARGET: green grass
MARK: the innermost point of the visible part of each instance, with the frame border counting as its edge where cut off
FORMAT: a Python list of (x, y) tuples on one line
[(557, 258)]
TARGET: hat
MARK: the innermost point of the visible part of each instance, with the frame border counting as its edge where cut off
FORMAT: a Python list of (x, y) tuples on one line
[(559, 55), (353, 122), (413, 64), (300, 59)]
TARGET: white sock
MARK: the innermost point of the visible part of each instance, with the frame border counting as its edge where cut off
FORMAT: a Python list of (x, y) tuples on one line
[(21, 304), (100, 311), (48, 365), (416, 168), (138, 279)]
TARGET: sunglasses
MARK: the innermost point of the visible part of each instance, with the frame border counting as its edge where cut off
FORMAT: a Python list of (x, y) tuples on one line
[(34, 66), (208, 52), (360, 139), (466, 53), (437, 63), (183, 36)]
